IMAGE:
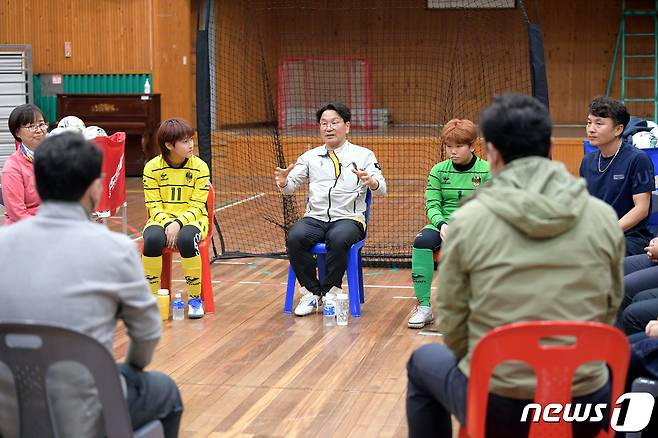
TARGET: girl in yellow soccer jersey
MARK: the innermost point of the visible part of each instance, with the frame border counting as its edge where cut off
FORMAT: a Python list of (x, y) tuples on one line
[(176, 187)]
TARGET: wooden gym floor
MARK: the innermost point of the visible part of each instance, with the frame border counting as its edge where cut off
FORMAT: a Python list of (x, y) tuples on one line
[(250, 370)]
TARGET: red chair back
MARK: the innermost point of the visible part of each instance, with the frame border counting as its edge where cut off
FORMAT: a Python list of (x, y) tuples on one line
[(114, 171), (210, 205), (554, 366)]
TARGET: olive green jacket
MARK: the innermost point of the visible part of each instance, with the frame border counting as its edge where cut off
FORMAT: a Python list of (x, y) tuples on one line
[(531, 244)]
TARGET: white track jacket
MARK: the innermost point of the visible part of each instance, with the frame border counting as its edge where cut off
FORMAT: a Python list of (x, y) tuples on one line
[(335, 192)]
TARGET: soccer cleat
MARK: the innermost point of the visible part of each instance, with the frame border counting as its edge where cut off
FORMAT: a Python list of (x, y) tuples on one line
[(307, 303), (420, 317), (195, 308)]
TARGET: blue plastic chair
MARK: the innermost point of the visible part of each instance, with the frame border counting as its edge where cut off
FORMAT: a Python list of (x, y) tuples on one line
[(354, 270)]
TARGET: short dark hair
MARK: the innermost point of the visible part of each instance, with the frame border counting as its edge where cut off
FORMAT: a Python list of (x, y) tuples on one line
[(518, 126), (172, 130), (65, 165), (21, 116), (339, 107), (607, 107)]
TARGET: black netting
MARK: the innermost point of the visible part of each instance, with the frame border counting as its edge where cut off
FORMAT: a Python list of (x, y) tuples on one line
[(404, 69)]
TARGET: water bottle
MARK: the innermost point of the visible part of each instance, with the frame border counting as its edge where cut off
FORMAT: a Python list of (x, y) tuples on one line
[(147, 86), (178, 308), (329, 310), (342, 309)]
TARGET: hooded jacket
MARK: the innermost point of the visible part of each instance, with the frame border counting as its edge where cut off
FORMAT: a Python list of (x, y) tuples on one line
[(530, 245)]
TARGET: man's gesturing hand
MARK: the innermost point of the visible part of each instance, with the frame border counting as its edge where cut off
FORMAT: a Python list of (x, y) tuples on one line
[(281, 175), (366, 179)]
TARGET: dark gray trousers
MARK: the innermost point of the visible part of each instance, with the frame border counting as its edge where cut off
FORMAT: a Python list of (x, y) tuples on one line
[(437, 388), (339, 236), (152, 396)]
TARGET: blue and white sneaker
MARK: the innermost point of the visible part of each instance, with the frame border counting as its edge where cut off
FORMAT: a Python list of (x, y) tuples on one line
[(307, 303), (195, 308)]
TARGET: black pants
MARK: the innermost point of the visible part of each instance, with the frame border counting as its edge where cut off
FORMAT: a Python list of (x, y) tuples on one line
[(643, 309), (427, 238), (152, 396), (640, 274), (636, 241), (339, 236), (187, 241), (644, 363), (437, 388)]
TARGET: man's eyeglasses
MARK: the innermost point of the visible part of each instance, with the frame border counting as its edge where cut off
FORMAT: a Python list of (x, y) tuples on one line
[(38, 127), (333, 124)]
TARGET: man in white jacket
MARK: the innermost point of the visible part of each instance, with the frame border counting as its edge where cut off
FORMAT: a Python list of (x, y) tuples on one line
[(340, 174)]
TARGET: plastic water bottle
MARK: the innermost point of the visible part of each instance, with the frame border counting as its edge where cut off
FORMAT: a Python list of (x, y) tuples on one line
[(178, 308), (329, 310), (147, 86), (342, 309)]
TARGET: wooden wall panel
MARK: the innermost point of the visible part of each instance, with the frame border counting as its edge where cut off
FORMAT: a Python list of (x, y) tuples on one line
[(241, 55), (151, 36), (579, 40), (173, 76), (579, 37), (111, 37), (107, 36), (411, 67), (570, 151)]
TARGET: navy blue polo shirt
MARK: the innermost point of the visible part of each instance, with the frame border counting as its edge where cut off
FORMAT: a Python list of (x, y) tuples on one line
[(630, 173)]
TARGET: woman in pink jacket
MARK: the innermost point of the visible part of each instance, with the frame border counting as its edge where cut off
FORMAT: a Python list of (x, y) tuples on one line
[(19, 193)]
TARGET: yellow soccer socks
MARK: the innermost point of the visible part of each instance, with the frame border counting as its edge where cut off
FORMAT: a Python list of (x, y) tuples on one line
[(192, 271), (152, 270)]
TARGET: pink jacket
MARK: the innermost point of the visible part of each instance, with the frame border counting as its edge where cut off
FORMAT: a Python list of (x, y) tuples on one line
[(19, 190)]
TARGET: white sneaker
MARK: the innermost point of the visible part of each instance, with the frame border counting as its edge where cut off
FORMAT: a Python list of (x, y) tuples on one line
[(335, 291), (421, 316), (195, 308), (307, 303)]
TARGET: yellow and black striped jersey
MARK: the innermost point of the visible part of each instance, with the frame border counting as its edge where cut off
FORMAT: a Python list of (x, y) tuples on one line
[(177, 193)]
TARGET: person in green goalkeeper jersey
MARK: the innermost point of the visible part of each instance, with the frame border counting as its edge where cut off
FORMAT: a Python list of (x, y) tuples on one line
[(447, 184)]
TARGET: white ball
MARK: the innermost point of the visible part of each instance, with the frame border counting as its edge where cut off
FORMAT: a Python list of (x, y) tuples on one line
[(71, 122), (59, 130), (91, 132), (654, 132), (644, 140)]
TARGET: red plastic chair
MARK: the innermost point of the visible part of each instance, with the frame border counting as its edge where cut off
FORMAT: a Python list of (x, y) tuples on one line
[(113, 197), (204, 246), (554, 367)]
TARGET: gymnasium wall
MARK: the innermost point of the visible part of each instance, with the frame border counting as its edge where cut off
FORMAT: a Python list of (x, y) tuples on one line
[(111, 37), (152, 36), (579, 37), (378, 37)]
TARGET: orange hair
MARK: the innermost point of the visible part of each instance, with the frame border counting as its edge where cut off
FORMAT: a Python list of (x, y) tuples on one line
[(460, 131)]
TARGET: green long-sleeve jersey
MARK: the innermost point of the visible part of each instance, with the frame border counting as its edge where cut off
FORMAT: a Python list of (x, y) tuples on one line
[(446, 186)]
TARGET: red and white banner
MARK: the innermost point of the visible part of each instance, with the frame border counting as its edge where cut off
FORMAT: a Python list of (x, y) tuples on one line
[(114, 171)]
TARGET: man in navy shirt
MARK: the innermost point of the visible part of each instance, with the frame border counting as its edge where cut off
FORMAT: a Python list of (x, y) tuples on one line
[(619, 173)]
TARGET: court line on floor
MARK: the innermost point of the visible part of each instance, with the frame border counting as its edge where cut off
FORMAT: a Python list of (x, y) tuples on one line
[(233, 204)]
